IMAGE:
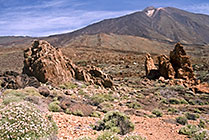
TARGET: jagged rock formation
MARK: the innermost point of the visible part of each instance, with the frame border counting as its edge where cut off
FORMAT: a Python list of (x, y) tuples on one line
[(149, 64), (150, 68), (14, 80), (178, 66), (181, 63), (48, 64), (165, 67)]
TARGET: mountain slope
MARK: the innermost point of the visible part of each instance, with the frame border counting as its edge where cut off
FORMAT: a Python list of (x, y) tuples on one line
[(162, 24)]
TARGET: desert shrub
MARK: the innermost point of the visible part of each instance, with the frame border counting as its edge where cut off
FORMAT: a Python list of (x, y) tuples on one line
[(172, 110), (174, 101), (181, 120), (188, 130), (133, 104), (13, 96), (105, 107), (84, 138), (194, 132), (95, 114), (24, 121), (134, 138), (191, 116), (202, 124), (100, 98), (107, 136), (78, 113), (54, 106), (115, 121), (201, 135), (196, 110), (183, 101), (191, 102), (157, 113), (68, 85), (0, 84), (10, 95)]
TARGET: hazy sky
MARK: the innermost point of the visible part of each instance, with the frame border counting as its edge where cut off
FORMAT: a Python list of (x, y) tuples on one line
[(46, 17)]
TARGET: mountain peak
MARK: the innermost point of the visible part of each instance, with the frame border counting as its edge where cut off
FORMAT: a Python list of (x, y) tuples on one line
[(150, 11)]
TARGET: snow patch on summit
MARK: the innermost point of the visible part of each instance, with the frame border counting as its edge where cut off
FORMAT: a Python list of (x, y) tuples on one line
[(150, 12)]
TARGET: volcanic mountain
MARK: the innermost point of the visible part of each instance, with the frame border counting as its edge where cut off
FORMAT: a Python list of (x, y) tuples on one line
[(161, 24)]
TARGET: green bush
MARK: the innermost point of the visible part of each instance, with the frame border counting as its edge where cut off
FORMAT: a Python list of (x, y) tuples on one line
[(134, 105), (181, 120), (11, 95), (174, 101), (157, 113), (201, 135), (100, 98), (24, 121), (68, 85), (107, 136), (134, 138), (105, 107), (78, 113), (194, 132), (188, 130), (54, 106), (95, 114), (115, 121), (191, 116), (202, 124), (172, 110), (84, 138)]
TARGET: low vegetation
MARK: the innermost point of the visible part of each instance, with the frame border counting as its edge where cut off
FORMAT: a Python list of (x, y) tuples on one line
[(194, 132), (181, 120), (54, 106), (115, 121), (157, 113), (24, 121), (107, 136)]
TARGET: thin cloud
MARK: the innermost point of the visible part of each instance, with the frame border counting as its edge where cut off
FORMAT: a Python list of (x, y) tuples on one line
[(43, 24), (199, 8)]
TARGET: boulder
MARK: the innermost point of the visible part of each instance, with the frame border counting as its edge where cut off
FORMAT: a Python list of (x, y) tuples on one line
[(150, 68), (149, 64), (181, 63), (165, 67), (48, 64), (14, 80), (44, 91)]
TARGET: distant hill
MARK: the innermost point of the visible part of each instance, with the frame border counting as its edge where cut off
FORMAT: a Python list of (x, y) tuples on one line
[(161, 24), (165, 25)]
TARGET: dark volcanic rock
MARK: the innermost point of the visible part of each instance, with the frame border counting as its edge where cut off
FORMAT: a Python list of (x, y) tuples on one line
[(14, 80)]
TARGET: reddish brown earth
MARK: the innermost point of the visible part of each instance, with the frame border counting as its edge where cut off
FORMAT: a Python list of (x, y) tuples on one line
[(163, 128)]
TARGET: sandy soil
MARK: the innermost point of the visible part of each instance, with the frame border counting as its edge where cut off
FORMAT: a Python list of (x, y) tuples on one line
[(164, 128)]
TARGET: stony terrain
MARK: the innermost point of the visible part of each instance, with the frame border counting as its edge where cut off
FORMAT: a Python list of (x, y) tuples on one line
[(83, 98), (112, 80)]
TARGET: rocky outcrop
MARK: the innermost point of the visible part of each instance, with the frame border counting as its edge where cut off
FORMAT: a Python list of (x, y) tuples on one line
[(177, 66), (165, 67), (14, 80), (150, 68), (48, 64), (149, 64), (181, 63)]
